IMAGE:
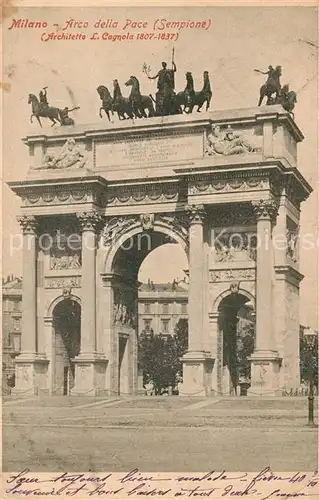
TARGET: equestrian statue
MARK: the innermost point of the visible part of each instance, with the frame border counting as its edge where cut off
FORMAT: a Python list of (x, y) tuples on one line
[(287, 98), (167, 101), (41, 109), (272, 85)]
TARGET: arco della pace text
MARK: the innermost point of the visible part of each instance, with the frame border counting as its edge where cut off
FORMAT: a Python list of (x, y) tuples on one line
[(71, 23)]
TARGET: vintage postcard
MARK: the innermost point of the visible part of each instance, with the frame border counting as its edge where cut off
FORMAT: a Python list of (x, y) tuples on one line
[(160, 250)]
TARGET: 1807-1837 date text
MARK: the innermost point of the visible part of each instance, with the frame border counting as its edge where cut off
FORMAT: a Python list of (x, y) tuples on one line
[(135, 36)]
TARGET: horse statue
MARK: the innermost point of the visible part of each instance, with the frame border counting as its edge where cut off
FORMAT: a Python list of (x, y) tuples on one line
[(192, 98), (139, 102), (38, 110), (272, 85), (122, 105), (205, 94), (189, 93), (107, 101), (287, 98)]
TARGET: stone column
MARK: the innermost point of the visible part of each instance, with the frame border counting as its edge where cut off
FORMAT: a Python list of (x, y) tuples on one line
[(89, 223), (108, 332), (197, 363), (90, 365), (49, 335), (265, 359), (196, 288), (217, 354), (29, 289), (31, 367)]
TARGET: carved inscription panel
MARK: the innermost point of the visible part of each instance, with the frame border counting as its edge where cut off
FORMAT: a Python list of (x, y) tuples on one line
[(153, 147)]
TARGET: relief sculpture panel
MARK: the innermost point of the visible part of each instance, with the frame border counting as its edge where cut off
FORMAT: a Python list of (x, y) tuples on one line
[(226, 142), (65, 252), (235, 247), (125, 308), (232, 274)]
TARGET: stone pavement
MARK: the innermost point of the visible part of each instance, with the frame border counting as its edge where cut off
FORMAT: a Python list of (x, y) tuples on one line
[(157, 434)]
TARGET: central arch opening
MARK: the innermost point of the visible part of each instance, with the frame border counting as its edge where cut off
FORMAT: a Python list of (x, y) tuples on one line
[(237, 327), (146, 298)]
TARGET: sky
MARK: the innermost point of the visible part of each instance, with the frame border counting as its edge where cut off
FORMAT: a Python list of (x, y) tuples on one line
[(239, 39)]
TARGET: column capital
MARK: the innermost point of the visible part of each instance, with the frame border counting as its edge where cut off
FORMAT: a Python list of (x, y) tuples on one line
[(28, 223), (90, 221), (265, 209), (196, 214)]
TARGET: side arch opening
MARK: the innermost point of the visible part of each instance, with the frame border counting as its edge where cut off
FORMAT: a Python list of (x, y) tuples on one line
[(66, 324), (236, 322)]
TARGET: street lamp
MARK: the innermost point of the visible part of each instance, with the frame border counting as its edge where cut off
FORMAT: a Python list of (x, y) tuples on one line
[(310, 337)]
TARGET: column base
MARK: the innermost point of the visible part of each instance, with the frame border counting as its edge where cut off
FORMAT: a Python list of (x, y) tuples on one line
[(197, 374), (140, 388), (90, 375), (265, 367), (31, 374)]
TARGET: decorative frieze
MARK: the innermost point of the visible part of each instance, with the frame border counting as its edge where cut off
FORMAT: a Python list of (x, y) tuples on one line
[(55, 197), (63, 282), (232, 275), (145, 194), (210, 185)]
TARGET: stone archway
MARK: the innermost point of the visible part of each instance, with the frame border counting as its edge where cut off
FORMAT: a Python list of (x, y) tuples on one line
[(66, 325), (122, 264), (236, 327), (169, 227), (165, 168)]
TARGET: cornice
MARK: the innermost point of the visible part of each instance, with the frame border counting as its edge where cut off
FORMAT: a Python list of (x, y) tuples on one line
[(58, 182)]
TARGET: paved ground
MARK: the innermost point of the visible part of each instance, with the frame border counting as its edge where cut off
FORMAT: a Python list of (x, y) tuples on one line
[(157, 434)]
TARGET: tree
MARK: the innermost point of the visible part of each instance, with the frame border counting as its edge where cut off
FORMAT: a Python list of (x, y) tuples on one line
[(309, 360), (159, 356), (181, 344), (245, 346)]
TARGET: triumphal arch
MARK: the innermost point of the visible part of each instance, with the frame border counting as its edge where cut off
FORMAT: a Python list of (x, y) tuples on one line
[(97, 199)]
